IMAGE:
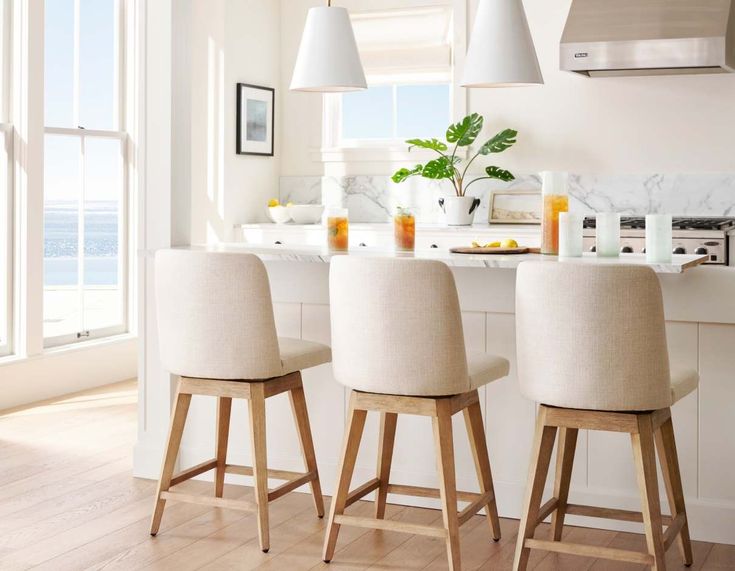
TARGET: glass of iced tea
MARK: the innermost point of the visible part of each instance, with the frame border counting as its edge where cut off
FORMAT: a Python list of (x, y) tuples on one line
[(338, 230), (404, 229), (556, 200)]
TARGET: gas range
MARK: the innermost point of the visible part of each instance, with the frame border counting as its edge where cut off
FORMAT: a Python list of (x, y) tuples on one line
[(714, 237)]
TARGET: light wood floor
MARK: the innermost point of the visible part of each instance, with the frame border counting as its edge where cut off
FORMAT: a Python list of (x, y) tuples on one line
[(68, 502)]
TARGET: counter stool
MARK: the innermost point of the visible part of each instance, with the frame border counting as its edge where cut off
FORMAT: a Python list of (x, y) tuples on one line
[(592, 351), (398, 343), (217, 333)]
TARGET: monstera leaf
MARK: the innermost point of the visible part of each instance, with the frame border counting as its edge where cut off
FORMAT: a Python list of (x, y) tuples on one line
[(438, 169), (500, 174), (431, 144), (500, 142), (402, 174), (466, 131)]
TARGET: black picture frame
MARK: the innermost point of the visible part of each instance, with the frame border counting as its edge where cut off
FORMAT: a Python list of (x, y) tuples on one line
[(241, 144)]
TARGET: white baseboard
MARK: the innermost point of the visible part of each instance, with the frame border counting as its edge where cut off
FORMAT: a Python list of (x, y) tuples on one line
[(58, 372)]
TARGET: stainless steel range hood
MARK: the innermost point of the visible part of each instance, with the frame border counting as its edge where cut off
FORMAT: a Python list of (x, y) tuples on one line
[(649, 37)]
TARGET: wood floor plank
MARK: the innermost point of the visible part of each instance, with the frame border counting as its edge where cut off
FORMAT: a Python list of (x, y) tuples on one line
[(236, 546), (305, 553), (719, 557), (119, 546)]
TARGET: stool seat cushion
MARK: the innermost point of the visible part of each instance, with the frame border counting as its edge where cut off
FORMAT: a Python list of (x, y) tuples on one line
[(297, 354), (683, 382), (484, 368)]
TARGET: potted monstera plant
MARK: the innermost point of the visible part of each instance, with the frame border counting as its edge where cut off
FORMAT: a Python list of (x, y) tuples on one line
[(460, 209)]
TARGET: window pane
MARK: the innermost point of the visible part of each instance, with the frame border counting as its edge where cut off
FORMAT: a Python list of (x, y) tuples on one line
[(97, 65), (103, 292), (368, 114), (5, 243), (62, 186), (59, 63), (423, 111)]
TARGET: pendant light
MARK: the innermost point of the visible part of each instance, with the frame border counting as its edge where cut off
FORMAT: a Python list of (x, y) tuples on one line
[(501, 51), (328, 60)]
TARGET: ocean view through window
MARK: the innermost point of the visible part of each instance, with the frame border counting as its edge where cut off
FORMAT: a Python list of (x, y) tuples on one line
[(85, 190)]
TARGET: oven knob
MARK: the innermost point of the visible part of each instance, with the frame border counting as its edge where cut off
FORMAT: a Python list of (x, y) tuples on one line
[(701, 251), (626, 250), (593, 248), (643, 250), (679, 250)]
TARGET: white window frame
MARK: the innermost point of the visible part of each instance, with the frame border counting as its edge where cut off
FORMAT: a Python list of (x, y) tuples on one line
[(334, 149), (120, 134), (6, 174)]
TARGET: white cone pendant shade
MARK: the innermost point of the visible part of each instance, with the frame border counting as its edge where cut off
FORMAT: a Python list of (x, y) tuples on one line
[(328, 59), (501, 52)]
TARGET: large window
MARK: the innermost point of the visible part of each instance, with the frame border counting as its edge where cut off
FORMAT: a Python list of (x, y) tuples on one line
[(6, 182), (85, 186), (407, 56)]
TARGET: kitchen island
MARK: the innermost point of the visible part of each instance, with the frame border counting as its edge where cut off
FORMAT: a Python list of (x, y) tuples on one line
[(700, 312)]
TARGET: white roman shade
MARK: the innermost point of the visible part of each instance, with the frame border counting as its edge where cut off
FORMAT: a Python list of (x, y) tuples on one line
[(407, 44)]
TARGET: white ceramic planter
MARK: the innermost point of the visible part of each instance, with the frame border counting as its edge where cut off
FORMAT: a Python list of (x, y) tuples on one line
[(459, 210)]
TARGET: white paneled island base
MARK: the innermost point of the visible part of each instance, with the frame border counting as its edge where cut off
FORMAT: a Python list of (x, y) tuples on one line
[(700, 310)]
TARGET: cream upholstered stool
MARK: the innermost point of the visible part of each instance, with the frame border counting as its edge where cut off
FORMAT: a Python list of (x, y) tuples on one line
[(397, 341), (217, 333), (592, 351)]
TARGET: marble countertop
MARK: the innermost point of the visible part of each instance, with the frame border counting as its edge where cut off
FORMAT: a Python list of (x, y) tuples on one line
[(478, 228), (679, 264)]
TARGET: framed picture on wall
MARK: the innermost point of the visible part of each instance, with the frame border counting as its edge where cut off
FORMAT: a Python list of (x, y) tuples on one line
[(515, 207), (255, 119)]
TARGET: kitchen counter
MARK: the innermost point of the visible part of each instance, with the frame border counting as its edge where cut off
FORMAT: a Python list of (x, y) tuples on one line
[(290, 253)]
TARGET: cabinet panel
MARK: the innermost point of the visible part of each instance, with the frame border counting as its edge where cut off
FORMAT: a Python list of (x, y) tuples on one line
[(510, 417), (324, 396), (716, 398)]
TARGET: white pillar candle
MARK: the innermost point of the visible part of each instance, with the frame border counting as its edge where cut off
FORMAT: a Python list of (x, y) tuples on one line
[(608, 234), (570, 235), (659, 241)]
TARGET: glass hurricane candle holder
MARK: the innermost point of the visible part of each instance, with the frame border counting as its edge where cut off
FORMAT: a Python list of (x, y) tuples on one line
[(556, 200), (659, 238), (404, 229), (338, 238), (607, 229), (570, 235)]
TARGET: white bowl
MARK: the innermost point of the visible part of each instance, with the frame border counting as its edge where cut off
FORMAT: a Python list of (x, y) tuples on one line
[(279, 214), (306, 213)]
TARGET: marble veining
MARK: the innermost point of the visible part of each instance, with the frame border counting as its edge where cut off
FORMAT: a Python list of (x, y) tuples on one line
[(315, 254), (374, 198)]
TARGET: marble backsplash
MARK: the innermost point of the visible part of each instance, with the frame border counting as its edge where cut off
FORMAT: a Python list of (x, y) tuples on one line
[(374, 198)]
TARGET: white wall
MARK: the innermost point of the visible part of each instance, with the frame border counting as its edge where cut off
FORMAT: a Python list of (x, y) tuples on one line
[(230, 41), (677, 124)]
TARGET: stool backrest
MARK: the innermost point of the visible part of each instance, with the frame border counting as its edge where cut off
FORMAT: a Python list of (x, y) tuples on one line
[(591, 336), (396, 327), (215, 316)]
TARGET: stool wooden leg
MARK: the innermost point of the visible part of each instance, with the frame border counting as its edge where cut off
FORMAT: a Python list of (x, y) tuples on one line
[(301, 417), (540, 459), (666, 445), (224, 408), (176, 431), (355, 426), (388, 421), (564, 464), (256, 405), (444, 441), (645, 462), (478, 443)]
